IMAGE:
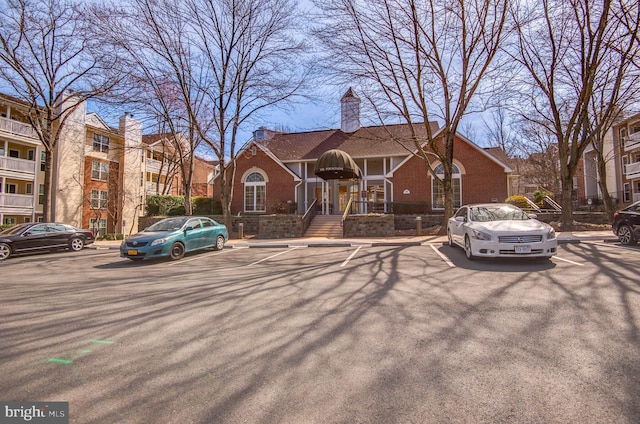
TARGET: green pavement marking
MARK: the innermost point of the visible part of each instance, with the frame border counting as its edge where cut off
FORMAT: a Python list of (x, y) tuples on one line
[(61, 361), (106, 342), (85, 351)]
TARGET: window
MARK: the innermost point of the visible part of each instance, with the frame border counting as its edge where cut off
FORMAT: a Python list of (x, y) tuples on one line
[(41, 194), (437, 188), (98, 226), (9, 221), (10, 188), (99, 199), (99, 171), (100, 143), (626, 192), (43, 160), (194, 223), (255, 193), (14, 153), (27, 219), (29, 188), (31, 154)]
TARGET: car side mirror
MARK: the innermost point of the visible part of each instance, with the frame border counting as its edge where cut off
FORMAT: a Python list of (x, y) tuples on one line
[(461, 219), (189, 228), (532, 216)]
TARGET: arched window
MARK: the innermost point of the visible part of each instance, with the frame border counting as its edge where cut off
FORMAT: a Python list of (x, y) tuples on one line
[(437, 188), (255, 190)]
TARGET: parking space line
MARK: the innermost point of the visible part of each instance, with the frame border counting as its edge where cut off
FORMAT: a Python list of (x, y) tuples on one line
[(567, 260), (183, 260), (346, 261), (442, 256), (273, 256)]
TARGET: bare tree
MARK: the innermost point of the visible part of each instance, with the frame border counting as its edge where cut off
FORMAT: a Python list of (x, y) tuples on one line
[(562, 46), (224, 62), (616, 88), (417, 61), (500, 130), (51, 65)]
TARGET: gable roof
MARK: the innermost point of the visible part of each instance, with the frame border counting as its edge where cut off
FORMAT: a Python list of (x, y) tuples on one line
[(366, 142)]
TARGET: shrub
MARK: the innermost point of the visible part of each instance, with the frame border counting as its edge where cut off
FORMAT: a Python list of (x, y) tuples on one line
[(162, 204), (202, 205), (539, 195), (519, 201), (177, 210)]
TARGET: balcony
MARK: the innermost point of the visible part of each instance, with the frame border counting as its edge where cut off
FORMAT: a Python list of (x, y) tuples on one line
[(632, 142), (155, 166), (19, 201), (18, 128), (150, 188), (632, 170), (18, 168)]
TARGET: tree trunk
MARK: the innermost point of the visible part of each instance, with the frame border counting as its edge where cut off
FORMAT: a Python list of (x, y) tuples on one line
[(47, 209), (566, 218), (609, 207)]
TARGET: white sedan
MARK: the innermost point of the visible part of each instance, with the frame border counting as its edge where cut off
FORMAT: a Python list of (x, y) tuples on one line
[(500, 230)]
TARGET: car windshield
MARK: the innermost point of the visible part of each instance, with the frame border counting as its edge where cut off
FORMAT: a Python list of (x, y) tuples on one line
[(169, 224), (497, 213)]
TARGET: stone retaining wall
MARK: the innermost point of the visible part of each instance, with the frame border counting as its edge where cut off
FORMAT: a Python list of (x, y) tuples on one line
[(280, 226), (370, 225), (408, 222)]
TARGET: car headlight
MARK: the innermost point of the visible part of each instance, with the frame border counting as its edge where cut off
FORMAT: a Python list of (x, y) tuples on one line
[(479, 235), (159, 241), (551, 235)]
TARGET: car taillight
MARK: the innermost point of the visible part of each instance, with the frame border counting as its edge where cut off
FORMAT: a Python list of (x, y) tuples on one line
[(615, 215), (90, 233)]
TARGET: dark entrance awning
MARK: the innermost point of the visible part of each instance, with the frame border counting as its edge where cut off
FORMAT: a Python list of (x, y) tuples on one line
[(336, 165)]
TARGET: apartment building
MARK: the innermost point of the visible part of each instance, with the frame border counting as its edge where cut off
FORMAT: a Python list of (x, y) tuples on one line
[(101, 174), (162, 167), (21, 166), (621, 152), (627, 143)]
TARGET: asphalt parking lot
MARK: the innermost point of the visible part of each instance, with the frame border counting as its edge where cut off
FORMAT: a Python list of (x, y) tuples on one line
[(327, 334)]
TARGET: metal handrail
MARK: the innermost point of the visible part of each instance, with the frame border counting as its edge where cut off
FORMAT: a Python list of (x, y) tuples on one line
[(553, 203), (347, 208), (309, 214)]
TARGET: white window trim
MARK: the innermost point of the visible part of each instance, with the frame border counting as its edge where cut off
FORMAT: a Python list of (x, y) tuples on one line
[(455, 175), (246, 184)]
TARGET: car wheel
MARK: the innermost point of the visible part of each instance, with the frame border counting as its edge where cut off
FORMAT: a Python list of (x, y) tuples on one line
[(76, 244), (219, 243), (449, 238), (177, 251), (5, 251), (467, 248), (625, 235)]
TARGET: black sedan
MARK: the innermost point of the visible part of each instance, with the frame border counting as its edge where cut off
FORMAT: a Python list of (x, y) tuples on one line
[(626, 224), (36, 236)]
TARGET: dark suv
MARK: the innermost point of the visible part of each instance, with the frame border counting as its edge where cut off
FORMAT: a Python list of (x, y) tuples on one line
[(626, 224)]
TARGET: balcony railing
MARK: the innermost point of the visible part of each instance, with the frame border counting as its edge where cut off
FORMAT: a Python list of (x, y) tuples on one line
[(150, 188), (632, 170), (17, 127), (19, 165), (632, 141), (16, 200)]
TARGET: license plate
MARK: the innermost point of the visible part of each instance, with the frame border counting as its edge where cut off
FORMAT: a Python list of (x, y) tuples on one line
[(523, 249), (132, 252)]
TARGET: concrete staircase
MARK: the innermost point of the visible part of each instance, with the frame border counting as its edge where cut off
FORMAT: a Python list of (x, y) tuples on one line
[(325, 226)]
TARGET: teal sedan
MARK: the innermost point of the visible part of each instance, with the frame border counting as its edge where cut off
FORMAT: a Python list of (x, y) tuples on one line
[(173, 237)]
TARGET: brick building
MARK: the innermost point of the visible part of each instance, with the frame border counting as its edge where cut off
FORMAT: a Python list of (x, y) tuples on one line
[(275, 172)]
